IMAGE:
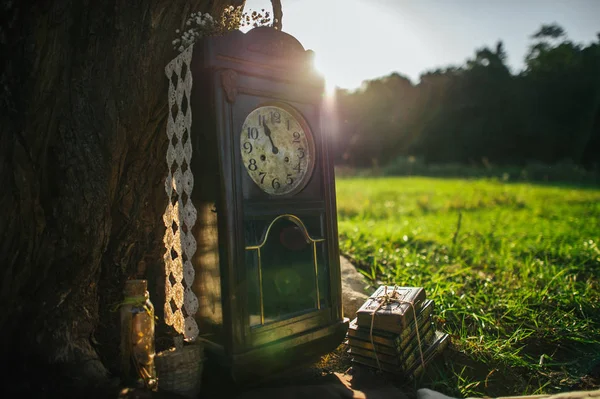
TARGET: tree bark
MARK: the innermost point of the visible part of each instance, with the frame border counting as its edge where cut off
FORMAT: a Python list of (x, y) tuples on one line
[(82, 167)]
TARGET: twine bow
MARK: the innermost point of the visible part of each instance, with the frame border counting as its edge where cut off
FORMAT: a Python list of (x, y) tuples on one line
[(136, 301), (387, 299)]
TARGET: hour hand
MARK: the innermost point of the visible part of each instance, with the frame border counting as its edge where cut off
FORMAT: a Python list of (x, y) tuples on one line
[(268, 134)]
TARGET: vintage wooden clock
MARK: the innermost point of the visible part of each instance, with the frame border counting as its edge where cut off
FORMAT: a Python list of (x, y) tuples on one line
[(266, 266)]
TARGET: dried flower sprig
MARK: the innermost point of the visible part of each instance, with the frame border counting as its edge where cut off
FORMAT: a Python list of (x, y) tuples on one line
[(200, 25)]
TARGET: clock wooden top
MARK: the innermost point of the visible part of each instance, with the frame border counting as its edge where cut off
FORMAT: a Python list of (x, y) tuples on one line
[(259, 51)]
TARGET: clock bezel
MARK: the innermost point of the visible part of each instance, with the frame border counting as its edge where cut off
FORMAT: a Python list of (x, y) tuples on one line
[(297, 115)]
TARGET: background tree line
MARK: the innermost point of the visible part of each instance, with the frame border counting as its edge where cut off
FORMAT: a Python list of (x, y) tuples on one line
[(480, 112)]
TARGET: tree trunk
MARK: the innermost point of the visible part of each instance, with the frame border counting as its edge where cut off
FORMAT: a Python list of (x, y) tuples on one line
[(82, 167)]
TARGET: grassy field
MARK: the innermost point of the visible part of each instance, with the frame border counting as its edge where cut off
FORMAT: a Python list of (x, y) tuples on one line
[(514, 270)]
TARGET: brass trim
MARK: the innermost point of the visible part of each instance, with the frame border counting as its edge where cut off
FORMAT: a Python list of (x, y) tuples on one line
[(298, 222), (314, 244), (260, 288)]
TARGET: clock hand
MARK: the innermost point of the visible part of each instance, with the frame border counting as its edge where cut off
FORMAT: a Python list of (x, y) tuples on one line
[(268, 134)]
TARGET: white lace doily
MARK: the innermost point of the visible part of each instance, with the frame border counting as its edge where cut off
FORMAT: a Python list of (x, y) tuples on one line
[(181, 304)]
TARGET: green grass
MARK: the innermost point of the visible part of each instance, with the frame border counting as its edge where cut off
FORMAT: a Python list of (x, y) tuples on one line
[(514, 270)]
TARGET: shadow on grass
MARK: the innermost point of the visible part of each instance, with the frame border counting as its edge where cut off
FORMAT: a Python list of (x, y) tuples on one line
[(459, 374)]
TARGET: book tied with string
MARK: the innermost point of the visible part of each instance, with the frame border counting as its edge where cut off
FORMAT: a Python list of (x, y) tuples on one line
[(391, 308), (384, 340), (401, 358), (395, 333), (409, 368)]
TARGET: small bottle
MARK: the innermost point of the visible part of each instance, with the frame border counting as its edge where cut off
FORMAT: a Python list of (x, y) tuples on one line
[(137, 334)]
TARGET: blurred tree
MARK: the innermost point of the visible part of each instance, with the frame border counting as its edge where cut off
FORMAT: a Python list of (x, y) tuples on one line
[(480, 111), (553, 31), (564, 89)]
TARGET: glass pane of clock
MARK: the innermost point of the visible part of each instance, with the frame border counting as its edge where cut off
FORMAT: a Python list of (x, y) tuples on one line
[(289, 281), (287, 264), (253, 288)]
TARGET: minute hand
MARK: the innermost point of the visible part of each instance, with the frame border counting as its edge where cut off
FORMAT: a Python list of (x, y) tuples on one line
[(268, 134)]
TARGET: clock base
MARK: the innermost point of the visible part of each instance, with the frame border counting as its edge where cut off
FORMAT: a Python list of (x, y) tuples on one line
[(272, 360), (266, 361)]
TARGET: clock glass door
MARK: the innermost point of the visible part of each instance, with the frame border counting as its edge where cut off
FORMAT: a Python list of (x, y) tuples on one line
[(286, 270)]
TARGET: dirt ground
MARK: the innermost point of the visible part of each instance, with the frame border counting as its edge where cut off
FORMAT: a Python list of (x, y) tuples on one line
[(334, 377)]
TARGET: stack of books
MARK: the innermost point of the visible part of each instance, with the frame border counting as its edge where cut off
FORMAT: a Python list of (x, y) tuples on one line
[(384, 333)]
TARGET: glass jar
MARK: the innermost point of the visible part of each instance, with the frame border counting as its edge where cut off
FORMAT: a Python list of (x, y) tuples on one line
[(137, 334)]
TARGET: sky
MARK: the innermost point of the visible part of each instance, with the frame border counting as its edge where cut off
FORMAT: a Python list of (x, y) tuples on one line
[(355, 40)]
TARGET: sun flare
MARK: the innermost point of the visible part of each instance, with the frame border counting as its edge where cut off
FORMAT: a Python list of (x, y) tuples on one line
[(330, 82)]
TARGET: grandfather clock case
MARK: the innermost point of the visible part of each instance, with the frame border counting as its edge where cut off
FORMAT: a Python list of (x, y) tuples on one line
[(267, 262)]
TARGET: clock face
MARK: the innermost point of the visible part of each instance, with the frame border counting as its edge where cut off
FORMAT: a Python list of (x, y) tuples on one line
[(278, 150)]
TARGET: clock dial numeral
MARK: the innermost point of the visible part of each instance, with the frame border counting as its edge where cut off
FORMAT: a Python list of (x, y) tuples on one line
[(289, 179), (252, 133), (296, 137), (275, 183), (248, 147), (252, 164), (262, 177), (297, 168), (276, 117), (261, 120), (301, 153), (288, 124)]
